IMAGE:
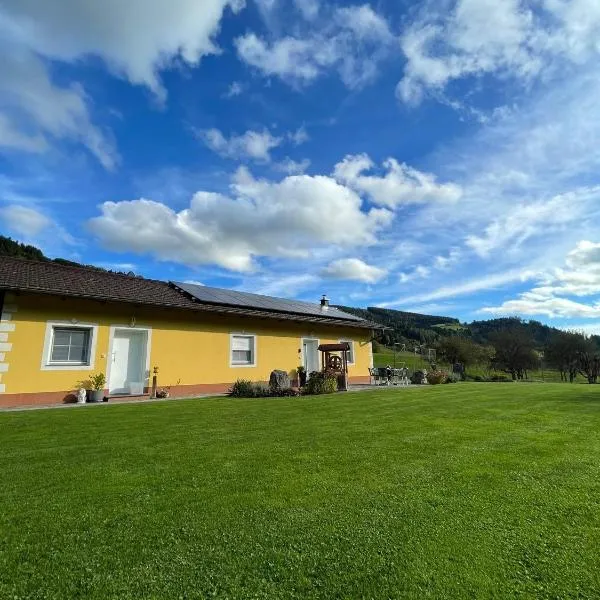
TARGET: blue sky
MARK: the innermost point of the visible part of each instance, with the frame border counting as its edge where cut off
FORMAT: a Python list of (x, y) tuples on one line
[(432, 156)]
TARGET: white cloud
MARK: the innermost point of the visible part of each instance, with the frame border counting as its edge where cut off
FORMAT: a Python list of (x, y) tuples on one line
[(353, 269), (525, 221), (135, 39), (550, 307), (309, 9), (553, 296), (24, 221), (252, 144), (419, 272), (292, 167), (33, 109), (15, 139), (351, 40), (291, 218), (300, 136), (400, 184), (234, 90), (364, 22), (461, 288), (528, 39)]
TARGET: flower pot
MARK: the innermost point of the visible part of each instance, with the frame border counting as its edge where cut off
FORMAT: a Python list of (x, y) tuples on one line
[(96, 396)]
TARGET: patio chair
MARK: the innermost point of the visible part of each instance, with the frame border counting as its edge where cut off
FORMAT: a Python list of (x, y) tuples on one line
[(373, 376)]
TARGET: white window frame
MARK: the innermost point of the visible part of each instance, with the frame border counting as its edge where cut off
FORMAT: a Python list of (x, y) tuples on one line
[(254, 362), (351, 342), (48, 365)]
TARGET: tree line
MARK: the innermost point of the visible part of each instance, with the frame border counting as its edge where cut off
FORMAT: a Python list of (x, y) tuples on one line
[(513, 350)]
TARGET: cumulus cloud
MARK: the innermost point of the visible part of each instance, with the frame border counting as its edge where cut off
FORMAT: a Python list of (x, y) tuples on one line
[(352, 41), (135, 39), (353, 269), (289, 218), (399, 185), (252, 144), (528, 39)]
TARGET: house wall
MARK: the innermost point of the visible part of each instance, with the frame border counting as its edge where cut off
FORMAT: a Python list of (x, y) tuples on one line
[(191, 350)]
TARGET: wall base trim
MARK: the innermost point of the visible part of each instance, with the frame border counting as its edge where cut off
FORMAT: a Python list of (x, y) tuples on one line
[(69, 397)]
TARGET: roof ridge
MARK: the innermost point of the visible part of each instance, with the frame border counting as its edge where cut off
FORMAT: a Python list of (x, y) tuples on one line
[(80, 267)]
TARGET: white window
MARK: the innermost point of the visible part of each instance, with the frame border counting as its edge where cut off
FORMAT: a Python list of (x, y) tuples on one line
[(243, 350), (69, 346), (350, 353)]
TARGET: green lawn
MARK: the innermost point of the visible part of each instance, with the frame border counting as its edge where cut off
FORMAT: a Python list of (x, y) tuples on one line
[(461, 491)]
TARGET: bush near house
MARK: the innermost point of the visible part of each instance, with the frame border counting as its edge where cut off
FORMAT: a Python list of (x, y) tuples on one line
[(243, 388), (325, 382), (437, 377)]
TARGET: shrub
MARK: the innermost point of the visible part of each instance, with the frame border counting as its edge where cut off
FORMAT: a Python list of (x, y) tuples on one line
[(286, 393), (453, 378), (417, 378), (322, 383), (437, 377), (500, 378), (260, 390), (242, 388)]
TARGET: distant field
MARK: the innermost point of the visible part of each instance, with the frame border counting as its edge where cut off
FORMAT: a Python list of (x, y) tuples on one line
[(413, 362), (463, 491)]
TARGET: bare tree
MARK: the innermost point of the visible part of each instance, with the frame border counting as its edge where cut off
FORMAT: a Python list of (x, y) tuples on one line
[(514, 352)]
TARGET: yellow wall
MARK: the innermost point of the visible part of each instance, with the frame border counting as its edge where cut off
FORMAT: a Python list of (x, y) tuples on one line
[(187, 347)]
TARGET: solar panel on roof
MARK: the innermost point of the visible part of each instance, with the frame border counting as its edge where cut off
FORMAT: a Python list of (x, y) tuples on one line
[(223, 297)]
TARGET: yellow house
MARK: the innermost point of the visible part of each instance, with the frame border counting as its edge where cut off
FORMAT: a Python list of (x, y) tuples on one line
[(61, 324)]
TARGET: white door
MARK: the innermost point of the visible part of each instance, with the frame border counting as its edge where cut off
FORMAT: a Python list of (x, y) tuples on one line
[(310, 352), (127, 370)]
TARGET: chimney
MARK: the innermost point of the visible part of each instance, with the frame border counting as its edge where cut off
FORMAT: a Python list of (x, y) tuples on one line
[(324, 303)]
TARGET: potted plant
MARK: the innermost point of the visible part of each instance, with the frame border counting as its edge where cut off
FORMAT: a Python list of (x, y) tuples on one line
[(98, 382), (301, 376)]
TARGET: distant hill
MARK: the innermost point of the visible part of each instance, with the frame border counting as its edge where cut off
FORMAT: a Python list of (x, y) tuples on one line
[(415, 329), (408, 328)]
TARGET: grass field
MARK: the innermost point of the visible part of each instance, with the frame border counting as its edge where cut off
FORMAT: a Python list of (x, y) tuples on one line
[(414, 362), (462, 491)]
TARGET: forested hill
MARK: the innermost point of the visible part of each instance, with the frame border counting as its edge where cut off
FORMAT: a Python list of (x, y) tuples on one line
[(412, 328), (9, 247), (406, 327)]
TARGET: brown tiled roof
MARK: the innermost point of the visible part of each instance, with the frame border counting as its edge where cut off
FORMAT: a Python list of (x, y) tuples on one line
[(54, 279)]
